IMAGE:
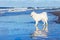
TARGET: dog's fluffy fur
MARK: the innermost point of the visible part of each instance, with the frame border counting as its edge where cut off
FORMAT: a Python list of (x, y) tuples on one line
[(37, 17)]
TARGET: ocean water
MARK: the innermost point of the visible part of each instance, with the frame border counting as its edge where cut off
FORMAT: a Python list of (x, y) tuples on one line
[(20, 26)]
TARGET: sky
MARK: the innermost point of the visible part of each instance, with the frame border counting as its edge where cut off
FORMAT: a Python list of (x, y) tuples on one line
[(29, 3)]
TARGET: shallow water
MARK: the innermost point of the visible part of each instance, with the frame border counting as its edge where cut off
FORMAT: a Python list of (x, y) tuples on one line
[(20, 27)]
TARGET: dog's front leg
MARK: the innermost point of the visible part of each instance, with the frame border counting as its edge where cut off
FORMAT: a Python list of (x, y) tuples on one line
[(36, 24)]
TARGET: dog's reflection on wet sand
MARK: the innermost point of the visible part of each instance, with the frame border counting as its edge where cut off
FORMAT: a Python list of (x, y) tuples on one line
[(40, 33)]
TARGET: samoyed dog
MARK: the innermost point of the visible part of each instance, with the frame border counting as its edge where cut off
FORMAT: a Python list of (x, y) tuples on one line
[(40, 17)]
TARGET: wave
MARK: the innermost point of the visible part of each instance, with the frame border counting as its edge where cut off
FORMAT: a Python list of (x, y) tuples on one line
[(25, 9), (28, 10)]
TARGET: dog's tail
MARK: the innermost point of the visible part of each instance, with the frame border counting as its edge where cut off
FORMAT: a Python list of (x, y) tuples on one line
[(45, 13)]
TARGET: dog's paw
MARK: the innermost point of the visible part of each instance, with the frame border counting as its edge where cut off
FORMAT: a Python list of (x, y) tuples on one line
[(46, 24), (35, 25)]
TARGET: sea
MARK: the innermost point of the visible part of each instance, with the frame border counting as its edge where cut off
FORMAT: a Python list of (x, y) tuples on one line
[(20, 25)]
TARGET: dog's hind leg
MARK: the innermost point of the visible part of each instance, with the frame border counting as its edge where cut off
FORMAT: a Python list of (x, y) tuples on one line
[(46, 29), (46, 23), (43, 22), (44, 26)]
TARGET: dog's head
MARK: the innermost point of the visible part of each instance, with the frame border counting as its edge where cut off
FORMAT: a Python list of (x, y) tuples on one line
[(32, 13)]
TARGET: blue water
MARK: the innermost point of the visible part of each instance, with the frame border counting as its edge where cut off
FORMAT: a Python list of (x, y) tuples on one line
[(20, 26)]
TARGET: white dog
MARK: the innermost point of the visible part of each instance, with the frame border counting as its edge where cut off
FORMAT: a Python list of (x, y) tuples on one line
[(40, 17)]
